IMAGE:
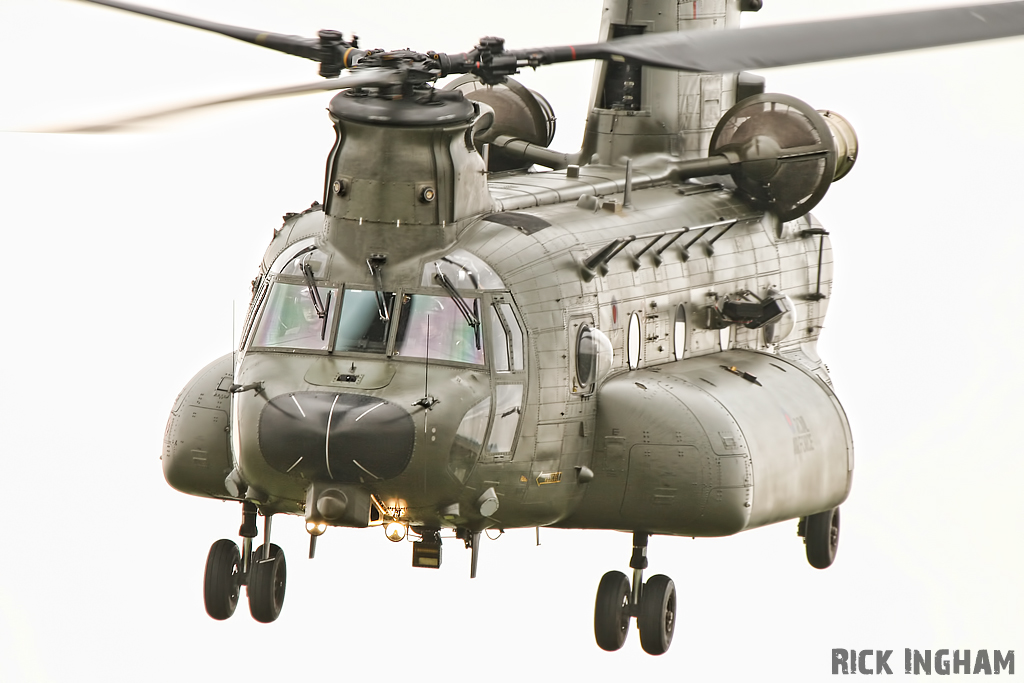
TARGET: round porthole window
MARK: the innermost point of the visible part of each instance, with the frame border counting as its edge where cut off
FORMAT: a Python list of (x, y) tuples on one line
[(633, 341), (586, 356)]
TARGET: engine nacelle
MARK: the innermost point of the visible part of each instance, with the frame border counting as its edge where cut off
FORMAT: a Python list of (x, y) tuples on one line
[(714, 445), (197, 453)]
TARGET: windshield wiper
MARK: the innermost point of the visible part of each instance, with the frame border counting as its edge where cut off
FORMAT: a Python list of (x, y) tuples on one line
[(375, 262), (314, 295), (470, 314), (464, 269)]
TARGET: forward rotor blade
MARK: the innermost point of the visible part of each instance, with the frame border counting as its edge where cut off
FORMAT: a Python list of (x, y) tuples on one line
[(293, 45), (353, 79), (804, 43)]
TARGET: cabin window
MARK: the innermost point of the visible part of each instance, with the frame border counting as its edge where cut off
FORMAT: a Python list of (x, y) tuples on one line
[(290, 318), (361, 326), (679, 332), (586, 357), (434, 328), (633, 341)]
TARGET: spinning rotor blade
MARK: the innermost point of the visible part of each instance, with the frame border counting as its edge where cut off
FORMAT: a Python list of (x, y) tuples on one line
[(712, 51), (354, 79), (293, 45), (803, 43)]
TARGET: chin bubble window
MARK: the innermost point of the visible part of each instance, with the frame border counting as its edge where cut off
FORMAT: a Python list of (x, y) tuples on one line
[(469, 439), (507, 408)]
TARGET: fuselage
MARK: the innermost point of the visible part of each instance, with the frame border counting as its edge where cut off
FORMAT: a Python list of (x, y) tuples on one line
[(515, 415), (591, 347)]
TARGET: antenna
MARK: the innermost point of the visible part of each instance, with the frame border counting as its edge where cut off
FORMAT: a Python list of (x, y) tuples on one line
[(234, 347), (426, 358), (427, 401)]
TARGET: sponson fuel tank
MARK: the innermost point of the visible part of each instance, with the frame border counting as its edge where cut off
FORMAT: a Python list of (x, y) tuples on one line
[(196, 455), (714, 445)]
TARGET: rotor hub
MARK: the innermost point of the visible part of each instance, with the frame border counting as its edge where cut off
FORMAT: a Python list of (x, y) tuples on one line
[(422, 106)]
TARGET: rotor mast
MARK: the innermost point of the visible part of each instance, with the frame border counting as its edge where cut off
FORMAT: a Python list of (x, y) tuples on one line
[(638, 110)]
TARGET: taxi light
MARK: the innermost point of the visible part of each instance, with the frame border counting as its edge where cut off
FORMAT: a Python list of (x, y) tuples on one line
[(315, 528), (396, 531)]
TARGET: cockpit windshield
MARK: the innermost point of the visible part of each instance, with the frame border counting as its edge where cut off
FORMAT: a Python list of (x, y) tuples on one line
[(304, 315), (291, 319), (361, 326), (433, 327)]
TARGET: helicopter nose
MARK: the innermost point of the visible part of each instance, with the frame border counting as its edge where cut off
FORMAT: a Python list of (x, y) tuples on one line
[(349, 438)]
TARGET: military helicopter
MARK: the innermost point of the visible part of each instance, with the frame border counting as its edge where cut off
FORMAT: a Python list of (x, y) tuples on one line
[(536, 327)]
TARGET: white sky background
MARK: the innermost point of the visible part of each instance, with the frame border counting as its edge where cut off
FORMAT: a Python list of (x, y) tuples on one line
[(124, 254)]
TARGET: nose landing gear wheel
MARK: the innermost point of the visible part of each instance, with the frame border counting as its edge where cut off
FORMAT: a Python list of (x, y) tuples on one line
[(222, 579), (267, 579), (657, 618), (822, 538), (611, 611)]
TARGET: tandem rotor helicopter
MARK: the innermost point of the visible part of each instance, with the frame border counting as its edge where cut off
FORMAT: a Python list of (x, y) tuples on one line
[(453, 341)]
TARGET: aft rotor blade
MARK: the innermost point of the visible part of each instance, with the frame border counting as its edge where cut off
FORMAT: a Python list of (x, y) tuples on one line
[(293, 45), (354, 79), (803, 43)]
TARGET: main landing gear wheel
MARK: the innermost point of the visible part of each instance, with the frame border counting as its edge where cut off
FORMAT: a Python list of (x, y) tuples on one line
[(657, 614), (652, 603), (822, 538), (267, 580), (222, 580), (612, 611)]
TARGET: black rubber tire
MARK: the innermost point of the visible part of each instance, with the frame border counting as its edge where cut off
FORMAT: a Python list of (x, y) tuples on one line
[(657, 620), (267, 581), (612, 611), (822, 538), (222, 579)]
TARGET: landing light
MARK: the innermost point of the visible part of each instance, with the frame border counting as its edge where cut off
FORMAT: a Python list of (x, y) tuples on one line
[(315, 528), (395, 531)]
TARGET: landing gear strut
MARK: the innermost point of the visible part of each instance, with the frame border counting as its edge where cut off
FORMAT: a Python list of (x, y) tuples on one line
[(264, 573), (267, 579), (652, 603)]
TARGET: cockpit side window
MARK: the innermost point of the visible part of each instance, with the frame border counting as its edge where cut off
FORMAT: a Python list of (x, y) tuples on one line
[(433, 327), (361, 326), (290, 319), (507, 345), (255, 306)]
